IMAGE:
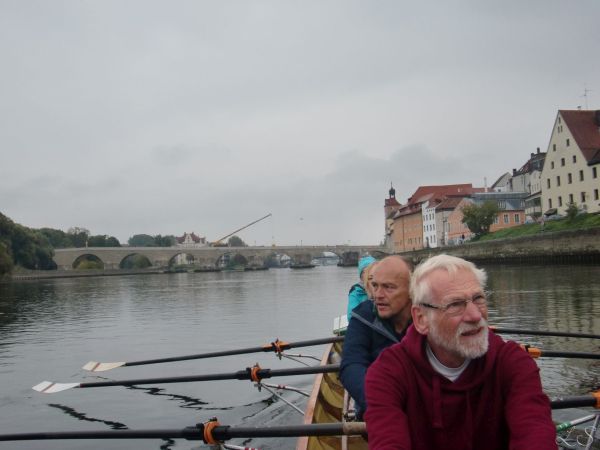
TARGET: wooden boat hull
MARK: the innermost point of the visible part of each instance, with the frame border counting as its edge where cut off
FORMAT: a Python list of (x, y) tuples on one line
[(326, 404)]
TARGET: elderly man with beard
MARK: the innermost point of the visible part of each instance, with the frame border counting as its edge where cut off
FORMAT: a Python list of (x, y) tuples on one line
[(451, 383)]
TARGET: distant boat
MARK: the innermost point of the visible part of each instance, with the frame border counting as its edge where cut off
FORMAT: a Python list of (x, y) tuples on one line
[(302, 266)]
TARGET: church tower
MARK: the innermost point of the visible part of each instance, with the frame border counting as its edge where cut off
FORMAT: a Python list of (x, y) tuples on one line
[(390, 207)]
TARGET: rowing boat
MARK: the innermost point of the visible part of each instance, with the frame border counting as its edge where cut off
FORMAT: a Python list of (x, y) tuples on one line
[(329, 403)]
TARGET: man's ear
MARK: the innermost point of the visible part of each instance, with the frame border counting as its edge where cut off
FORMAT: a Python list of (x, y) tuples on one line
[(420, 319)]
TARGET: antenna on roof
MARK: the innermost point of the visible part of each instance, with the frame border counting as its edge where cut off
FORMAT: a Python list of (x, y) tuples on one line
[(585, 95)]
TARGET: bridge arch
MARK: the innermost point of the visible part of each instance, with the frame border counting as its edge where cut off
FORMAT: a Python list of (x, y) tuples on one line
[(231, 260), (88, 261), (135, 261)]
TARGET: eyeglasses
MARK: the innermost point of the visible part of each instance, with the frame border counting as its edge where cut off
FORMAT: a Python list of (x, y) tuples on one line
[(458, 307)]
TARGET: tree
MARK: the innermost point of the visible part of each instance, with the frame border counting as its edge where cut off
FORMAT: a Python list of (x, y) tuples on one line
[(78, 236), (57, 238), (24, 246), (6, 262), (479, 218), (235, 241), (112, 241), (571, 211), (164, 241), (141, 240)]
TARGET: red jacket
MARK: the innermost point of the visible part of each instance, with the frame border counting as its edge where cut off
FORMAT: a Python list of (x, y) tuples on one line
[(496, 403)]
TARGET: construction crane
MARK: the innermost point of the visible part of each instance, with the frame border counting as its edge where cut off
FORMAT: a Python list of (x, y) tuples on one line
[(219, 243)]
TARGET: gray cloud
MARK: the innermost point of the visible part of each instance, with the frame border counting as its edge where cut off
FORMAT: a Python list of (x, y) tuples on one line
[(128, 117)]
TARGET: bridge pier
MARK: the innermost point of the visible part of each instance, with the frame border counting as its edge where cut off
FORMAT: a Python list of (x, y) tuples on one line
[(349, 259)]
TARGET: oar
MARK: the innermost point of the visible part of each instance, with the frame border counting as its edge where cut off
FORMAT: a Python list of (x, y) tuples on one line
[(580, 401), (255, 374), (202, 432), (276, 346), (542, 333), (535, 352), (570, 424)]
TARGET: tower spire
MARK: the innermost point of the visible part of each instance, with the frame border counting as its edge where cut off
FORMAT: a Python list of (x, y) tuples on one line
[(392, 191)]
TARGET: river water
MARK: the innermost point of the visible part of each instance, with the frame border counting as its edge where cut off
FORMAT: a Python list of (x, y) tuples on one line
[(50, 328)]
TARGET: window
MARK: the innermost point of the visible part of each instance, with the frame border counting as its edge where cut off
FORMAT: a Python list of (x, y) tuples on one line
[(570, 198), (594, 172), (583, 197), (569, 178), (596, 194), (550, 203), (574, 158), (496, 220), (517, 218), (562, 161), (553, 147), (558, 180), (568, 142), (552, 165), (559, 200), (548, 182), (505, 218), (581, 175)]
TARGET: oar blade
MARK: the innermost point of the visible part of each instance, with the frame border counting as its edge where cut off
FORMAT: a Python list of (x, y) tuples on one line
[(49, 387), (94, 366)]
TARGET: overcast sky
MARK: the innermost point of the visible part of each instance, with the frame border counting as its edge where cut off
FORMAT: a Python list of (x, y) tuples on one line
[(159, 117)]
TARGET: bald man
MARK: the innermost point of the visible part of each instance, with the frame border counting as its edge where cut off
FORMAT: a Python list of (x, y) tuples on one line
[(376, 325)]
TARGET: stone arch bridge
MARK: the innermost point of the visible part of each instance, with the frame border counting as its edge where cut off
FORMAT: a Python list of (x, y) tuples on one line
[(208, 257)]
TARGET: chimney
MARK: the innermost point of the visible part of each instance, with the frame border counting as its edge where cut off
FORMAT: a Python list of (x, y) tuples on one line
[(538, 150), (514, 172)]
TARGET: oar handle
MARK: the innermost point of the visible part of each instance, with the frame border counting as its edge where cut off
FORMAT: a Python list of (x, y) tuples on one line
[(501, 330), (576, 355), (535, 352), (581, 401), (223, 433)]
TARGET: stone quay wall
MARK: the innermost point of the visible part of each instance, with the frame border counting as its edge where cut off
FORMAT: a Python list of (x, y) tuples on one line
[(573, 246)]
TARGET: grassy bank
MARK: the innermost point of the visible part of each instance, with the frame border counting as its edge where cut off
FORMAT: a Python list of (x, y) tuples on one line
[(581, 222)]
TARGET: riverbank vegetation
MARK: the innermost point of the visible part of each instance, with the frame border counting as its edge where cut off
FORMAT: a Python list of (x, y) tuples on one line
[(578, 222), (33, 249), (24, 247)]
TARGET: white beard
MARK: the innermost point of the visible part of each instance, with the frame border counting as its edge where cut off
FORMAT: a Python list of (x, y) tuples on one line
[(473, 348)]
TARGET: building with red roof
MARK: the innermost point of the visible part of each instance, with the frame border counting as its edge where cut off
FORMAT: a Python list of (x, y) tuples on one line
[(409, 231), (191, 240), (572, 166)]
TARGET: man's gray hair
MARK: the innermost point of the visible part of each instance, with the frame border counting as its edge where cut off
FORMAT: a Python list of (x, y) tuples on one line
[(420, 290)]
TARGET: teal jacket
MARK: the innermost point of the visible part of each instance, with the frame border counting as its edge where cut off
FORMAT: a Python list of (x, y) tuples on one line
[(356, 296)]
